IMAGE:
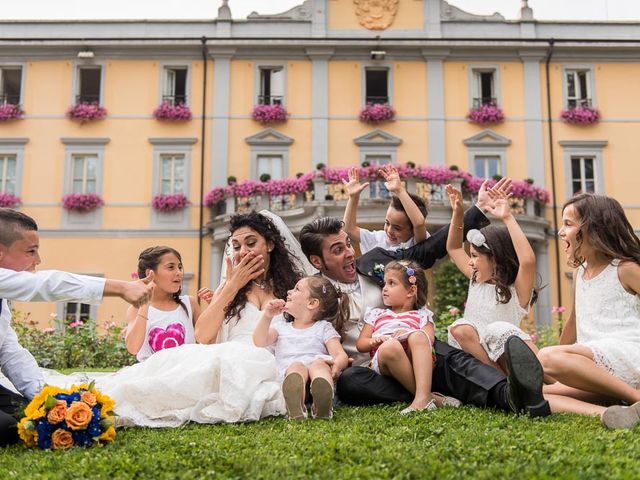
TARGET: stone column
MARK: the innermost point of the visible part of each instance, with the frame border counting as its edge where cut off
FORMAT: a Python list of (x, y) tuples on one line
[(220, 125), (436, 152), (320, 105)]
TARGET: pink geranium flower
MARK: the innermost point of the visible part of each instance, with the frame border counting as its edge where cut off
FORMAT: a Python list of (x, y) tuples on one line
[(85, 112), (485, 114), (167, 111), (580, 115), (82, 202), (8, 200), (170, 203), (9, 111), (269, 113), (377, 112)]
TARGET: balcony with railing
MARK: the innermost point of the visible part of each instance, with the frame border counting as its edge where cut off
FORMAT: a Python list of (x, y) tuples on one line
[(270, 99), (87, 98), (579, 102), (372, 99), (174, 99), (479, 101)]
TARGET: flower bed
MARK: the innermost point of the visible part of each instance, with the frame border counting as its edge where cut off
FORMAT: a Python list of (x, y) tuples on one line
[(7, 200), (377, 112), (86, 112), (167, 111), (269, 113), (9, 111), (580, 116), (170, 203), (81, 202), (486, 114)]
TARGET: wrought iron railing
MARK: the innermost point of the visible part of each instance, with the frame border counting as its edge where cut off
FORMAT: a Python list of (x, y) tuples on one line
[(174, 99), (578, 102), (270, 99), (87, 98), (12, 99), (479, 101), (376, 99)]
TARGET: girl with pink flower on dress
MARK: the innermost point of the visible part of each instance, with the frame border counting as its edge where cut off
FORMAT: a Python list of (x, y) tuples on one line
[(168, 320)]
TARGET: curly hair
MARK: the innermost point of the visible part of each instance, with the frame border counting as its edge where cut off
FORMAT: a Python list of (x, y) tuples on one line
[(421, 279), (282, 274), (503, 255), (149, 259), (606, 226)]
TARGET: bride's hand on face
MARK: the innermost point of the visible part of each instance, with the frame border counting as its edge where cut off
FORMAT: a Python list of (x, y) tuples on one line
[(249, 268)]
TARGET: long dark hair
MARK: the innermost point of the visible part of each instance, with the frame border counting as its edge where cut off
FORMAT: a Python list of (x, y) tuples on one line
[(282, 274), (420, 279), (603, 221), (149, 259), (503, 255)]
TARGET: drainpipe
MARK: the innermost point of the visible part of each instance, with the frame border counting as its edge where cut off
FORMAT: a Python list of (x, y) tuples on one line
[(554, 201), (202, 150)]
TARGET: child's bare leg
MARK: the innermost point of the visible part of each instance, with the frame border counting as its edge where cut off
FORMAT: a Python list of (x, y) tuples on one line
[(320, 368), (469, 341), (560, 403), (502, 361), (420, 348), (294, 389), (558, 388), (394, 362)]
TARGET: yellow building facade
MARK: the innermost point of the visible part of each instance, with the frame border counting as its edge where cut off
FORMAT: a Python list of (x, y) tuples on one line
[(322, 61)]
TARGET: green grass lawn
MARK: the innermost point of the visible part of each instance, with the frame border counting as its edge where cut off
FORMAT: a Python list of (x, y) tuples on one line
[(373, 442)]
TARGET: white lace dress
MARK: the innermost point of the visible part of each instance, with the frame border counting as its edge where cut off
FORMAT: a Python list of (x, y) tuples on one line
[(495, 322), (232, 381), (608, 322)]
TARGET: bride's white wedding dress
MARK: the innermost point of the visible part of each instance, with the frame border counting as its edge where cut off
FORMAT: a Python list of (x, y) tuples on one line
[(233, 381)]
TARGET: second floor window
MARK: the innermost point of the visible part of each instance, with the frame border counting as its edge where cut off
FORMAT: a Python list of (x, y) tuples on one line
[(172, 174), (377, 85), (583, 177), (76, 312), (484, 92), (271, 86), (89, 83), (578, 88), (10, 85), (84, 173), (175, 85), (487, 166), (8, 174), (273, 165)]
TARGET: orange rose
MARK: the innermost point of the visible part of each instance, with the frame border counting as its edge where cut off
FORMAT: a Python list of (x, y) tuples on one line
[(58, 412), (79, 415), (61, 439), (88, 398)]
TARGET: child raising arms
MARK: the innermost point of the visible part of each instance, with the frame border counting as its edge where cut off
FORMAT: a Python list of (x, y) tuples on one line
[(598, 358), (168, 320), (501, 270), (307, 346), (400, 336), (404, 223)]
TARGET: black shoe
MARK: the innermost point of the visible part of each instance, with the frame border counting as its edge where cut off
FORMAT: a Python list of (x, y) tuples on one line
[(525, 379)]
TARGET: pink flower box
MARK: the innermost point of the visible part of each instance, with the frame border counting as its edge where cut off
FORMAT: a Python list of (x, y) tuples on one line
[(269, 113), (8, 200), (580, 115), (86, 112), (486, 114), (377, 112), (166, 111), (9, 111), (170, 203), (82, 202)]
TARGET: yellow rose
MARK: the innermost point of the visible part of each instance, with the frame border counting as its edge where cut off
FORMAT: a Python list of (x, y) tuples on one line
[(107, 404), (61, 439), (108, 435), (88, 398), (29, 437), (57, 413), (79, 415), (35, 409)]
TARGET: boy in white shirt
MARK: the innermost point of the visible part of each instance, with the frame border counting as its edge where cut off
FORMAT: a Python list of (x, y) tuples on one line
[(404, 223), (19, 244)]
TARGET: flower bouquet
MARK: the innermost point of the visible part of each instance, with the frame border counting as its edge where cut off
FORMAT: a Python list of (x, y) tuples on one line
[(58, 418)]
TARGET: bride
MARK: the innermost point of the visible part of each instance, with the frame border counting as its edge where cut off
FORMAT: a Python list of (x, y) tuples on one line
[(225, 378)]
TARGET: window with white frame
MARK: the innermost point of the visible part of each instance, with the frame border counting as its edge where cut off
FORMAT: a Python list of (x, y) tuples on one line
[(272, 83), (89, 84), (270, 164), (484, 87), (376, 83), (583, 174), (10, 85), (377, 188), (174, 90), (76, 312), (8, 173), (487, 166), (84, 173), (172, 173), (578, 88)]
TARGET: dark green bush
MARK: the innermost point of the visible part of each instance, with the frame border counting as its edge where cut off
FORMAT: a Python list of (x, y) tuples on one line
[(449, 296)]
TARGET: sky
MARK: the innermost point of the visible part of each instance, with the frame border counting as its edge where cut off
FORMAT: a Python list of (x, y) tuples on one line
[(207, 9)]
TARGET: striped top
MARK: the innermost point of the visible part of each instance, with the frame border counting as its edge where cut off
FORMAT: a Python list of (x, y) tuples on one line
[(386, 322)]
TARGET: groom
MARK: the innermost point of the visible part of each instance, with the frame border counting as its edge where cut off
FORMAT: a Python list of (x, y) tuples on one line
[(19, 257), (456, 373)]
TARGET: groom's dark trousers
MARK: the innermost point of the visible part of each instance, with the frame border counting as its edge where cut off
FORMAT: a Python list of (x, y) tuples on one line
[(10, 404), (456, 374)]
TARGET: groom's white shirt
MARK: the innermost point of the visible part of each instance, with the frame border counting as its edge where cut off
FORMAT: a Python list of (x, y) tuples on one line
[(16, 363), (363, 294)]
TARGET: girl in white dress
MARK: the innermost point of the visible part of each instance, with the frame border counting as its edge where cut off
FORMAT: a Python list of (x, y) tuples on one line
[(598, 360), (501, 270), (307, 347), (168, 320)]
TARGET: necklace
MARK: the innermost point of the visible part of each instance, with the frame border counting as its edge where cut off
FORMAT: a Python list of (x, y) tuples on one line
[(260, 285)]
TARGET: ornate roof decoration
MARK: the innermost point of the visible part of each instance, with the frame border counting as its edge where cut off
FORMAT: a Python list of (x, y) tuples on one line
[(454, 14), (299, 13), (376, 14)]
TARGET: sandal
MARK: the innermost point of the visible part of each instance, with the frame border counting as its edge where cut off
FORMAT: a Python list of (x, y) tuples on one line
[(293, 392), (444, 401), (430, 406), (618, 416), (322, 393)]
